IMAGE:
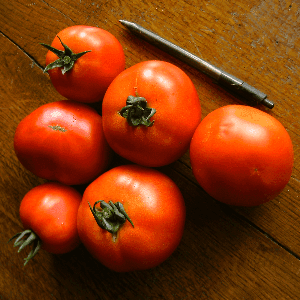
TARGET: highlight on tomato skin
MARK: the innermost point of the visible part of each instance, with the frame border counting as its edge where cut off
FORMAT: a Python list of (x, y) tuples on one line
[(48, 213), (241, 156), (131, 218)]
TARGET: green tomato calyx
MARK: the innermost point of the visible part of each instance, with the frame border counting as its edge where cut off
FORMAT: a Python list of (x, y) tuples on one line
[(66, 59), (137, 112), (111, 216), (26, 238)]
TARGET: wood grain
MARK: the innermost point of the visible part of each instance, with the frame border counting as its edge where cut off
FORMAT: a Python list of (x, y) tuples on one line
[(226, 252)]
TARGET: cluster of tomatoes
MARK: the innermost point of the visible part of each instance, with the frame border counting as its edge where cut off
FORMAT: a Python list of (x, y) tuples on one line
[(132, 217)]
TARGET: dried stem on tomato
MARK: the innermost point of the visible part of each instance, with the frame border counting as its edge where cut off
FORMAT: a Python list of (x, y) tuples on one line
[(111, 216), (137, 112), (26, 238), (66, 58)]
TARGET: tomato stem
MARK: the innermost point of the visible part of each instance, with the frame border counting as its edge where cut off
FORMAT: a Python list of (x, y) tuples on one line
[(31, 238), (111, 216), (66, 58), (136, 112)]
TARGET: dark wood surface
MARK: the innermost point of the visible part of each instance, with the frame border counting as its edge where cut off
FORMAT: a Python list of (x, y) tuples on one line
[(226, 253)]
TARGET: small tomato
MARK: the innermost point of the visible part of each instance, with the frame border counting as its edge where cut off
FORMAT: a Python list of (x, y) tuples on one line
[(48, 213), (82, 61)]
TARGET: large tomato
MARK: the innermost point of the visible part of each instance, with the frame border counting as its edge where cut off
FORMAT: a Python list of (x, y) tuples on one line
[(48, 213), (63, 141), (140, 218), (241, 155), (80, 75), (150, 112)]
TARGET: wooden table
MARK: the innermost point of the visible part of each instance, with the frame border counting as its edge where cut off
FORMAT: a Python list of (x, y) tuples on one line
[(226, 253)]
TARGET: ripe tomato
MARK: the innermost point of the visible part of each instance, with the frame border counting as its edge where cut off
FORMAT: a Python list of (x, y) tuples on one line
[(149, 230), (87, 79), (241, 155), (155, 128), (63, 141), (48, 212)]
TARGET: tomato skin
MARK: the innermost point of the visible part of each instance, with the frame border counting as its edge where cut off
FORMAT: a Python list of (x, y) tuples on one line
[(178, 112), (156, 207), (92, 73), (50, 210), (241, 155), (73, 150)]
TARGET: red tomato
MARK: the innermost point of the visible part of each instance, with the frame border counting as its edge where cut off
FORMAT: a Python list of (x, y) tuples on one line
[(91, 73), (49, 212), (241, 155), (154, 227), (171, 113), (63, 141)]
